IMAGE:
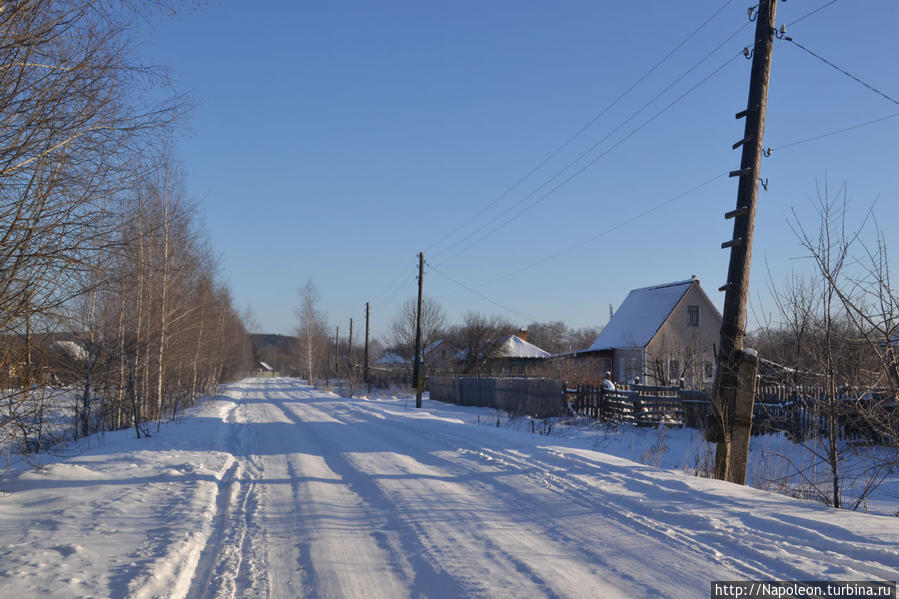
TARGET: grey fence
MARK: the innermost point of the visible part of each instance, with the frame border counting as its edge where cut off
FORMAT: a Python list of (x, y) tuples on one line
[(541, 398)]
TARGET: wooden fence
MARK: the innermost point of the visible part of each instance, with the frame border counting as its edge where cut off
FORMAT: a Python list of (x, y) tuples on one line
[(541, 398), (799, 412)]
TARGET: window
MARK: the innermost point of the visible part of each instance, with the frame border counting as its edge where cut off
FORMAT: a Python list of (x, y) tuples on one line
[(674, 371), (692, 316), (708, 370), (605, 365)]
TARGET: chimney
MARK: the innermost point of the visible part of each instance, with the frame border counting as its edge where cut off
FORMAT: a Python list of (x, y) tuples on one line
[(523, 334)]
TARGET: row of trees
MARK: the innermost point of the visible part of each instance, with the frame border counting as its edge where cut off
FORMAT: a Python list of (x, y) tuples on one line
[(106, 285)]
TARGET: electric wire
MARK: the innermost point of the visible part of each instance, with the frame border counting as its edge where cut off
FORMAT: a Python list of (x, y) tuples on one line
[(595, 159), (481, 295), (604, 232), (817, 10), (392, 286), (398, 289), (592, 121), (580, 131), (585, 153), (836, 132), (845, 72)]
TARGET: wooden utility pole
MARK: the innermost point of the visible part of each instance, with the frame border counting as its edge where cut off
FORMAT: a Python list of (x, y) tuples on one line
[(416, 370), (365, 366), (337, 352), (734, 391), (349, 349)]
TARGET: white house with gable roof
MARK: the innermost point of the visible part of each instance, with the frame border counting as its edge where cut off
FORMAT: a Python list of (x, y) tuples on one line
[(661, 334)]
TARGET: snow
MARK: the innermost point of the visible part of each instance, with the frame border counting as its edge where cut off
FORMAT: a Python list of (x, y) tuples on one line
[(275, 489), (392, 358), (74, 350), (515, 347), (640, 316)]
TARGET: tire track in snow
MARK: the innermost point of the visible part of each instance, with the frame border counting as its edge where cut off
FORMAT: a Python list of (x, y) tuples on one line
[(223, 569), (514, 548), (338, 503), (745, 546), (544, 517)]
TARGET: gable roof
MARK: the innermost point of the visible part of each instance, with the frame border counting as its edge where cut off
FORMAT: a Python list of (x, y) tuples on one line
[(641, 315), (516, 347), (512, 346)]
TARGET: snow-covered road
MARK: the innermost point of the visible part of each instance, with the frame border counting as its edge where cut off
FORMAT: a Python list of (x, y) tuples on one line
[(279, 490)]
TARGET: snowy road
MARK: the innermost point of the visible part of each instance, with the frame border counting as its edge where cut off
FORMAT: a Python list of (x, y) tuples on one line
[(279, 490)]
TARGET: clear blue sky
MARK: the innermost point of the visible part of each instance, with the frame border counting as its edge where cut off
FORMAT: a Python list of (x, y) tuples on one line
[(335, 140)]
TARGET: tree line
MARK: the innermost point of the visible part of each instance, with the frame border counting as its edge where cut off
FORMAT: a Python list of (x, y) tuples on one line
[(107, 286), (322, 353)]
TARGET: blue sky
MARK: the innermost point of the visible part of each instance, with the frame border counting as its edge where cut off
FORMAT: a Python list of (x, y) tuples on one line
[(334, 141)]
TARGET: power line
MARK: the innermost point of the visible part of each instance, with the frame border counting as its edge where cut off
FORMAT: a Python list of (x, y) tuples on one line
[(802, 18), (845, 72), (391, 286), (586, 126), (836, 132), (594, 160), (396, 290), (586, 153), (481, 295), (605, 232)]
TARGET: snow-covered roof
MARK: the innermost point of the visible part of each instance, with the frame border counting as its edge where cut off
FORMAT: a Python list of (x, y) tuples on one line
[(391, 358), (513, 346), (640, 316), (73, 349), (516, 347), (431, 347), (266, 366)]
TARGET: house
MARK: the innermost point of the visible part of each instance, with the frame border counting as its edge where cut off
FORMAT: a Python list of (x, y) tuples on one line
[(264, 369), (510, 355), (661, 334), (439, 356)]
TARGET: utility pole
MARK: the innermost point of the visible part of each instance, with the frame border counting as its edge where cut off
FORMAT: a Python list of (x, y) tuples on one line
[(349, 350), (337, 352), (416, 370), (734, 391), (365, 366)]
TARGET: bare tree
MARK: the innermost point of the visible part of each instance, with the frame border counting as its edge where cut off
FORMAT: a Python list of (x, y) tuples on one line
[(402, 328), (72, 120), (312, 336), (834, 331), (478, 338)]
